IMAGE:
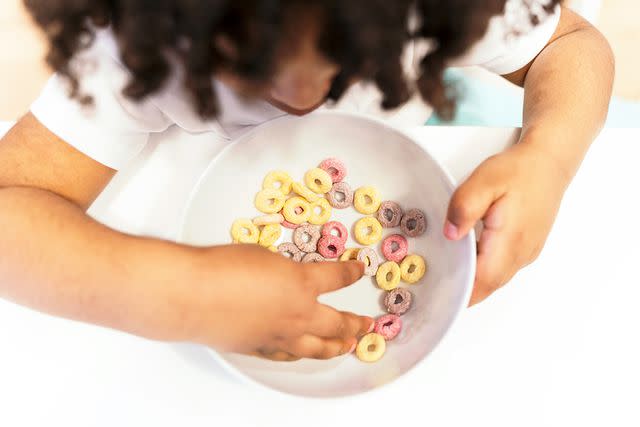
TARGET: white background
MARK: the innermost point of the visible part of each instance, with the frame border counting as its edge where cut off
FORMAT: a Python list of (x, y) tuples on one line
[(559, 346)]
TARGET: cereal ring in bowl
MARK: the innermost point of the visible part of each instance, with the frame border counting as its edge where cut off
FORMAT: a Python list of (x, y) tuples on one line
[(367, 231), (318, 181), (366, 200), (376, 155)]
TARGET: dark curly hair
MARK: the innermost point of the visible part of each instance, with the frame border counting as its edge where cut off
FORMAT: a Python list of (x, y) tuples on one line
[(364, 37)]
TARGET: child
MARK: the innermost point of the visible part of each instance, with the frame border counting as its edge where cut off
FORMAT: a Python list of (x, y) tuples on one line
[(128, 69)]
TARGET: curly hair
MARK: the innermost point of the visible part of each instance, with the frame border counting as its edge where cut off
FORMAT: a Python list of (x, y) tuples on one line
[(365, 38)]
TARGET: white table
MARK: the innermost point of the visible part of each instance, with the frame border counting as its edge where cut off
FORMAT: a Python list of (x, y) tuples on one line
[(559, 346)]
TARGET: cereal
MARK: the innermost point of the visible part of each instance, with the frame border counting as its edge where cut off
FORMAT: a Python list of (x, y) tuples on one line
[(278, 177), (388, 276), (340, 196), (330, 247), (269, 235), (371, 348), (275, 218), (244, 231), (368, 231), (335, 168), (306, 238), (398, 301), (318, 181), (389, 326), (325, 212), (303, 191), (342, 233), (389, 214), (395, 247), (290, 226), (370, 259), (366, 200), (296, 210), (350, 254), (291, 251), (414, 223), (413, 268), (269, 201), (312, 257)]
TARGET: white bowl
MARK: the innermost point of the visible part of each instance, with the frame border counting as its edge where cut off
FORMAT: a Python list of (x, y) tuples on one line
[(377, 155)]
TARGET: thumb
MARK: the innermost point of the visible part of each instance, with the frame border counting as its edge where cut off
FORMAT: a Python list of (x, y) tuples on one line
[(331, 276)]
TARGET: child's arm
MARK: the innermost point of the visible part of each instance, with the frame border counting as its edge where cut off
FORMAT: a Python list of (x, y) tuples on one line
[(518, 193), (56, 259)]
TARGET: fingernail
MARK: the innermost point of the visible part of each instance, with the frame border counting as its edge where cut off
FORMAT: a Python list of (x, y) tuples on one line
[(450, 231), (353, 348)]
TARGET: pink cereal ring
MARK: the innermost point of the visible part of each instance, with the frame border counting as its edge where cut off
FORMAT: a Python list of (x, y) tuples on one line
[(287, 224), (330, 247), (389, 326), (335, 168), (395, 248), (328, 228)]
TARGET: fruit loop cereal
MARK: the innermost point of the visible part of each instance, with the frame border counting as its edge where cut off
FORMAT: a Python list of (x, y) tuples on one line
[(398, 301), (366, 200), (389, 326), (291, 251), (414, 223), (296, 210), (269, 201), (306, 238), (395, 247), (312, 257), (368, 231), (318, 181), (371, 348), (413, 268), (245, 231), (324, 214), (340, 196), (350, 254), (340, 229), (388, 276), (335, 168), (303, 191), (330, 247), (278, 180), (370, 259), (269, 235), (389, 214), (269, 219)]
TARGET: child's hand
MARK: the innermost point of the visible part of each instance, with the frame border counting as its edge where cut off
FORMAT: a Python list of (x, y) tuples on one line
[(517, 193), (255, 302)]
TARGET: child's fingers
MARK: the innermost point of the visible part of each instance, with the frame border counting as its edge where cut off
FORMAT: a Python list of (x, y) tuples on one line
[(331, 276), (312, 347), (327, 322)]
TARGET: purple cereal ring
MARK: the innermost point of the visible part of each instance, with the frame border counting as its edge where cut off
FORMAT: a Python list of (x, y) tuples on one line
[(389, 326), (340, 196), (312, 257), (291, 251), (395, 248), (306, 237), (335, 168), (414, 223), (370, 259), (330, 247), (342, 233), (389, 214), (398, 301)]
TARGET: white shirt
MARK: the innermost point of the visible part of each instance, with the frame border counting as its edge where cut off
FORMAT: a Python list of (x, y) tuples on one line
[(163, 141)]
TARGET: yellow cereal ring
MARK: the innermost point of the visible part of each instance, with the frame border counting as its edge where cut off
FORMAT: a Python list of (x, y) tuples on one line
[(303, 191), (244, 231), (270, 201), (350, 254), (413, 268), (318, 181), (278, 177), (296, 210), (367, 200), (269, 235), (362, 233), (325, 212), (388, 276), (371, 348)]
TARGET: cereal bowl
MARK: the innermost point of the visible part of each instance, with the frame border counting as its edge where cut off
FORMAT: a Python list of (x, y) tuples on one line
[(375, 155)]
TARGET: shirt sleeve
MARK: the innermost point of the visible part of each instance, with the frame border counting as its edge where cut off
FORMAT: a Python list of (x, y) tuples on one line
[(512, 40), (114, 129)]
